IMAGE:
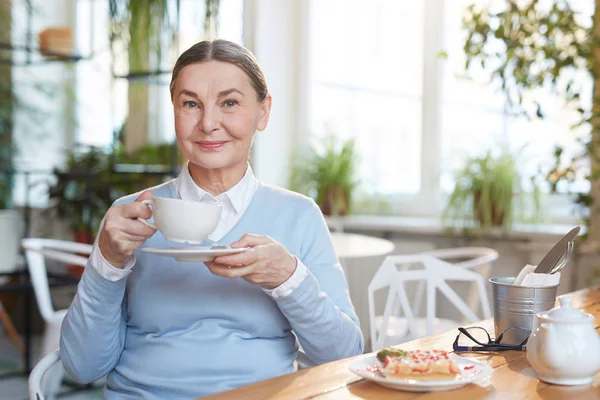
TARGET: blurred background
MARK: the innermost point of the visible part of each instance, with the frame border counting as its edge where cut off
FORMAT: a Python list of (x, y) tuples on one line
[(430, 123)]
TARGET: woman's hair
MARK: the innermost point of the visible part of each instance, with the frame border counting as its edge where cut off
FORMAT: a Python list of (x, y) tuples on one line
[(225, 51)]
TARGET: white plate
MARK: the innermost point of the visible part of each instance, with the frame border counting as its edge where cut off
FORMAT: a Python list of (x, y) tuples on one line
[(192, 253), (365, 367)]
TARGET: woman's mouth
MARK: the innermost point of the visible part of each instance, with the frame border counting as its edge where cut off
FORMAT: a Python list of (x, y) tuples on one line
[(211, 145)]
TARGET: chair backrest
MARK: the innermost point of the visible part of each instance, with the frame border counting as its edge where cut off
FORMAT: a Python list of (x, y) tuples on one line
[(34, 384), (435, 273), (37, 251), (12, 229), (478, 259), (473, 257)]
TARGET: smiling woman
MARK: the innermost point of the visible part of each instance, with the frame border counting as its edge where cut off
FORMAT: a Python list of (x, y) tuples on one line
[(217, 111), (161, 328)]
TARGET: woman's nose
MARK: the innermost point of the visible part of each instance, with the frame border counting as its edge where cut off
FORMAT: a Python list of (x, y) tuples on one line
[(210, 120)]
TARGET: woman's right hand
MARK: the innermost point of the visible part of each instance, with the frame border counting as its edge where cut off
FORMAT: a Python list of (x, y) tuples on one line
[(122, 233)]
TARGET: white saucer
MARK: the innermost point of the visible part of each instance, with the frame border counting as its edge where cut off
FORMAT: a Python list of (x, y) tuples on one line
[(192, 253), (471, 371)]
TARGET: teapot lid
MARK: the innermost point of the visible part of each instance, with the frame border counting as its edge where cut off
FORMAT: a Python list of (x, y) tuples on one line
[(566, 312)]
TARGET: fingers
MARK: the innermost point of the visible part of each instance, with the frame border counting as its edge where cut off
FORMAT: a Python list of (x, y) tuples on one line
[(126, 231), (122, 233), (250, 240), (136, 228), (227, 271), (248, 257), (146, 195), (125, 245), (116, 246), (133, 210), (117, 220)]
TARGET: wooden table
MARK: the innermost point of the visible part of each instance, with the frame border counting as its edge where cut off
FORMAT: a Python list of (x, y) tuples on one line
[(352, 245), (513, 377)]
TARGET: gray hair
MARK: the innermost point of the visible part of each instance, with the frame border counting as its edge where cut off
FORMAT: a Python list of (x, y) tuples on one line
[(224, 51)]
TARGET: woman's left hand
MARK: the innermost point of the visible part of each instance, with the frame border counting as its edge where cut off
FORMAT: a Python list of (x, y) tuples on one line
[(267, 263)]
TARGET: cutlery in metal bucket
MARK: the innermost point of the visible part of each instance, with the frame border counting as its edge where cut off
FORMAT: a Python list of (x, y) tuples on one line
[(551, 263)]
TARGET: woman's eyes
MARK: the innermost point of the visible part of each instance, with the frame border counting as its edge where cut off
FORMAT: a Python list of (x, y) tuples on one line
[(190, 104), (230, 103), (193, 105)]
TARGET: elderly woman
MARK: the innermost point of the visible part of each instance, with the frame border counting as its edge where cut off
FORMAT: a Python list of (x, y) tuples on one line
[(165, 330)]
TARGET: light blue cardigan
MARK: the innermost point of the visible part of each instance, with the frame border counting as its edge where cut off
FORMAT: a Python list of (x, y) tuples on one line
[(172, 330)]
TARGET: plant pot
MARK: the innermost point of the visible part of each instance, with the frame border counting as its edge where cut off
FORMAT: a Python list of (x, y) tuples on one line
[(56, 41), (80, 236), (495, 212), (335, 201)]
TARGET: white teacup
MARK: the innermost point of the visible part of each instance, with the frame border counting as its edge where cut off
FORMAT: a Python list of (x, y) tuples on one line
[(181, 220)]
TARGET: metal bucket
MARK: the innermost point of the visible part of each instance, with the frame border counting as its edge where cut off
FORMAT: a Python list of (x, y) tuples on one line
[(516, 306)]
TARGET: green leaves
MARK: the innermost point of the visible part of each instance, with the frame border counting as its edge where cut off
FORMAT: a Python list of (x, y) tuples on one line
[(142, 26), (85, 189), (484, 192), (327, 175), (546, 44), (541, 44), (390, 352)]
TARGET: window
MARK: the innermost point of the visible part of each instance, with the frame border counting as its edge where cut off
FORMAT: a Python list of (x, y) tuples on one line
[(369, 75), (474, 120), (102, 101), (366, 73)]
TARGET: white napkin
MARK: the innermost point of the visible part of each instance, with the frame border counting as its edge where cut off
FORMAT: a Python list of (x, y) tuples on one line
[(529, 278), (541, 280), (526, 270)]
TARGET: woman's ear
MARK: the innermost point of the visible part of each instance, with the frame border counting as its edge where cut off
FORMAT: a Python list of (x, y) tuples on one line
[(265, 112)]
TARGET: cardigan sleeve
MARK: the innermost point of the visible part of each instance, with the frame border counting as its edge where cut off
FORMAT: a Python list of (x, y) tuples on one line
[(319, 309), (93, 331)]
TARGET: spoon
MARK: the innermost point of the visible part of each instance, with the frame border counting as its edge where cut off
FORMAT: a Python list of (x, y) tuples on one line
[(565, 260), (548, 265)]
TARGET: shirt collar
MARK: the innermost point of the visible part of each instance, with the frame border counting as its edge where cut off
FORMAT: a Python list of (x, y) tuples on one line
[(238, 196)]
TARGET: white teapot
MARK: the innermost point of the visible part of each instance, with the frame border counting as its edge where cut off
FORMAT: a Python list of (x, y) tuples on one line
[(564, 347)]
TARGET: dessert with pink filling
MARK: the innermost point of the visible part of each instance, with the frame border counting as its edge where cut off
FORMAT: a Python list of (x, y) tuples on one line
[(418, 364)]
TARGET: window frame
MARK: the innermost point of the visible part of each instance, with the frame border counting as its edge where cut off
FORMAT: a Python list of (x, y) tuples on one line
[(430, 201)]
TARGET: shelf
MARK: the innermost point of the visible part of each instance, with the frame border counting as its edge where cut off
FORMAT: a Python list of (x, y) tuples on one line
[(45, 58), (32, 54), (151, 77)]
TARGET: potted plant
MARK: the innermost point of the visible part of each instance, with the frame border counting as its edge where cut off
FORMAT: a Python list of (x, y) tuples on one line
[(327, 175), (484, 193), (83, 191), (545, 43)]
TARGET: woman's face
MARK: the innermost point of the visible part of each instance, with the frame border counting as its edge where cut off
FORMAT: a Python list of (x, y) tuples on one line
[(216, 114)]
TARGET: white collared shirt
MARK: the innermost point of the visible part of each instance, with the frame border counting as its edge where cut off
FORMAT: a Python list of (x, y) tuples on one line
[(234, 202)]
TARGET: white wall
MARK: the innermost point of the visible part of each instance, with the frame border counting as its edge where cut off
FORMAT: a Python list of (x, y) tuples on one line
[(274, 30)]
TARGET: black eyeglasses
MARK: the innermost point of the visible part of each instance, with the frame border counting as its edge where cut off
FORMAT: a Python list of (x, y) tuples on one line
[(478, 334)]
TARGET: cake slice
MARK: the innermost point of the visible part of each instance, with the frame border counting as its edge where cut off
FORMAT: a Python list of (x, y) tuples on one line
[(418, 364)]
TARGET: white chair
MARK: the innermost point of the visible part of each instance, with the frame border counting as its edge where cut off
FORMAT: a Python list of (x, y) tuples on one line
[(303, 361), (392, 328), (12, 229), (36, 253), (34, 385), (478, 259)]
